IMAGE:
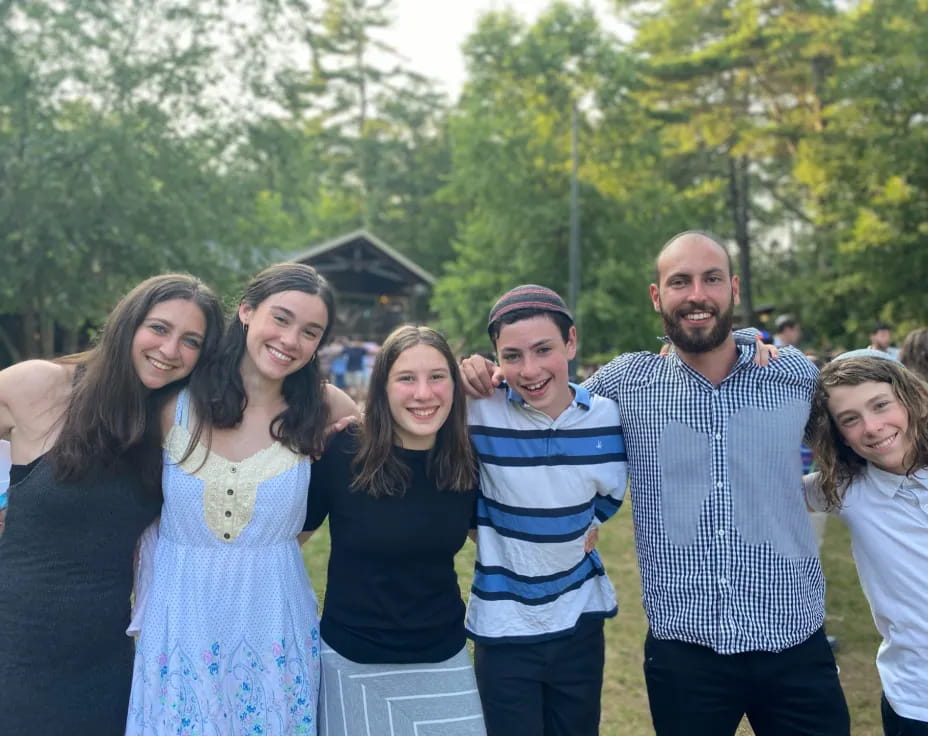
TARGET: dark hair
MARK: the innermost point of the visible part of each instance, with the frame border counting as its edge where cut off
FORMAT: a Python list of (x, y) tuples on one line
[(914, 352), (785, 321), (563, 322), (838, 464), (218, 393), (880, 326), (110, 412), (451, 462), (705, 234)]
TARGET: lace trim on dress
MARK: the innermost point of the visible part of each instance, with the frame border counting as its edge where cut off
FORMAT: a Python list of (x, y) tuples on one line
[(229, 488)]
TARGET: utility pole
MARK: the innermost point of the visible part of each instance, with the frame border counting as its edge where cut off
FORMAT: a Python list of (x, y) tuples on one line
[(573, 293)]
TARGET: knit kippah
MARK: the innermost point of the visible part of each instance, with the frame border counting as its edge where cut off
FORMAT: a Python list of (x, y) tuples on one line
[(867, 353), (528, 296)]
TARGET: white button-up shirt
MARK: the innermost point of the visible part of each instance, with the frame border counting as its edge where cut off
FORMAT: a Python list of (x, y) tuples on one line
[(887, 515)]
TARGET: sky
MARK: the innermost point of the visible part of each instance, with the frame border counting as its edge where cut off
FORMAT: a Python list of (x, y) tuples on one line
[(429, 33)]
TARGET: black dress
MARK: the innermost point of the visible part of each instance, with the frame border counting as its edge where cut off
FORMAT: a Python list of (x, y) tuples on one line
[(65, 580)]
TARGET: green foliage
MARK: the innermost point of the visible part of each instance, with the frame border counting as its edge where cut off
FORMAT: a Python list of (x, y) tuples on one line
[(867, 175), (142, 137), (511, 177)]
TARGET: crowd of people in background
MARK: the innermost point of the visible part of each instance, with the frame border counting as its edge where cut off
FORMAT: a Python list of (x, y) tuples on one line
[(186, 457)]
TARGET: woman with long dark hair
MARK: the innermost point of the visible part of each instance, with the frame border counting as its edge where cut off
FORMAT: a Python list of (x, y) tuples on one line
[(399, 493), (229, 641), (86, 481)]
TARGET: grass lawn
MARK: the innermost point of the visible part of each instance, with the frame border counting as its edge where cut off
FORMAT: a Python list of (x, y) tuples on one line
[(625, 704)]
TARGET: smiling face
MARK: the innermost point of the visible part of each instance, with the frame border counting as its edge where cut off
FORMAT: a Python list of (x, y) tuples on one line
[(283, 332), (166, 346), (696, 293), (420, 393), (534, 359), (873, 423)]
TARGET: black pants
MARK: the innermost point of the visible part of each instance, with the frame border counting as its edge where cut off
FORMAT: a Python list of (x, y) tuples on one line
[(693, 691), (548, 688), (896, 725)]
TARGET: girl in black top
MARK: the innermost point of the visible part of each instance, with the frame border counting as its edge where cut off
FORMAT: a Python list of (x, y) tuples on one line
[(399, 493)]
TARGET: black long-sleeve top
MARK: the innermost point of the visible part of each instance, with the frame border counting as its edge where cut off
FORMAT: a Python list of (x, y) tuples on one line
[(392, 594)]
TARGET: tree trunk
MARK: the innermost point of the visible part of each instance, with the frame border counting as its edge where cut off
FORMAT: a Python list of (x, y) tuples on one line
[(47, 335), (30, 329), (14, 351), (71, 340), (739, 195)]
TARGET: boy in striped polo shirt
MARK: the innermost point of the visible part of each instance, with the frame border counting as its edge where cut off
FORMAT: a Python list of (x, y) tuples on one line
[(552, 468)]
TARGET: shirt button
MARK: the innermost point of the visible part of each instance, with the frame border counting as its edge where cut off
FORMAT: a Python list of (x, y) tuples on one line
[(232, 469), (718, 435), (226, 535), (723, 581), (228, 514), (719, 484), (230, 491), (721, 532)]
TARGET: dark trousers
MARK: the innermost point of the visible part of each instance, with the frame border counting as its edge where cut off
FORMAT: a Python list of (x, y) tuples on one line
[(896, 725), (547, 688), (693, 691)]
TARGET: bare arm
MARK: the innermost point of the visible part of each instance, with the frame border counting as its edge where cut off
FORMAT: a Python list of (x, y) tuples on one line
[(33, 397), (303, 537), (341, 407), (4, 479)]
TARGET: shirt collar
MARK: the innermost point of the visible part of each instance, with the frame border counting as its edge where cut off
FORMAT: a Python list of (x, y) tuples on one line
[(890, 483), (581, 396), (745, 358)]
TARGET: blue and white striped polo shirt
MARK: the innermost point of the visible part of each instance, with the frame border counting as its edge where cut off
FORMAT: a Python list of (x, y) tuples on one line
[(544, 484), (726, 550)]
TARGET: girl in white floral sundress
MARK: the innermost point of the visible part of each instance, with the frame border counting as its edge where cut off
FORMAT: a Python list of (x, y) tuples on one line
[(229, 639)]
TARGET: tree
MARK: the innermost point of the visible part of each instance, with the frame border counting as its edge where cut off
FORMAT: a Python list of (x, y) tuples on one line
[(734, 87), (511, 177), (111, 160), (867, 176)]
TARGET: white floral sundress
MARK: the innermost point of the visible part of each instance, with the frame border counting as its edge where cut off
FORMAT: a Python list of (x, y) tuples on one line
[(229, 640)]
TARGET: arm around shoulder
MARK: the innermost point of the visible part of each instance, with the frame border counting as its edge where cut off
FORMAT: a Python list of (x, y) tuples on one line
[(815, 499), (341, 405)]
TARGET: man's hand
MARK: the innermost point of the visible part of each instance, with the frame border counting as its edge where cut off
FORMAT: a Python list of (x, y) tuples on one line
[(479, 376), (765, 353), (592, 539)]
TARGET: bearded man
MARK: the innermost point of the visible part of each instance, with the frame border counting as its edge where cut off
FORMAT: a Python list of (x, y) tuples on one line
[(731, 580)]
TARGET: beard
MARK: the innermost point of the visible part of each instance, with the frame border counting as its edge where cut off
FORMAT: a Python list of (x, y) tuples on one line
[(700, 339)]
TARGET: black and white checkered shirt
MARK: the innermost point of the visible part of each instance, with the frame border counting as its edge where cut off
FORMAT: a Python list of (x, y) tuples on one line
[(727, 554)]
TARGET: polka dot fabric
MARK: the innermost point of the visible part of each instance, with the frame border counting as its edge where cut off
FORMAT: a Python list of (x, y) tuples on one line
[(230, 640)]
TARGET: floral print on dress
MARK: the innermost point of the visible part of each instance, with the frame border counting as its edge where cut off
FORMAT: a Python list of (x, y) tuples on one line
[(240, 693)]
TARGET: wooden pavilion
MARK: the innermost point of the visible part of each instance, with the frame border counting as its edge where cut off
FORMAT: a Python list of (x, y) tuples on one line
[(377, 287)]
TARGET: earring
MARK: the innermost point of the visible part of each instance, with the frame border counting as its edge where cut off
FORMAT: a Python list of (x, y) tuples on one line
[(245, 327)]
